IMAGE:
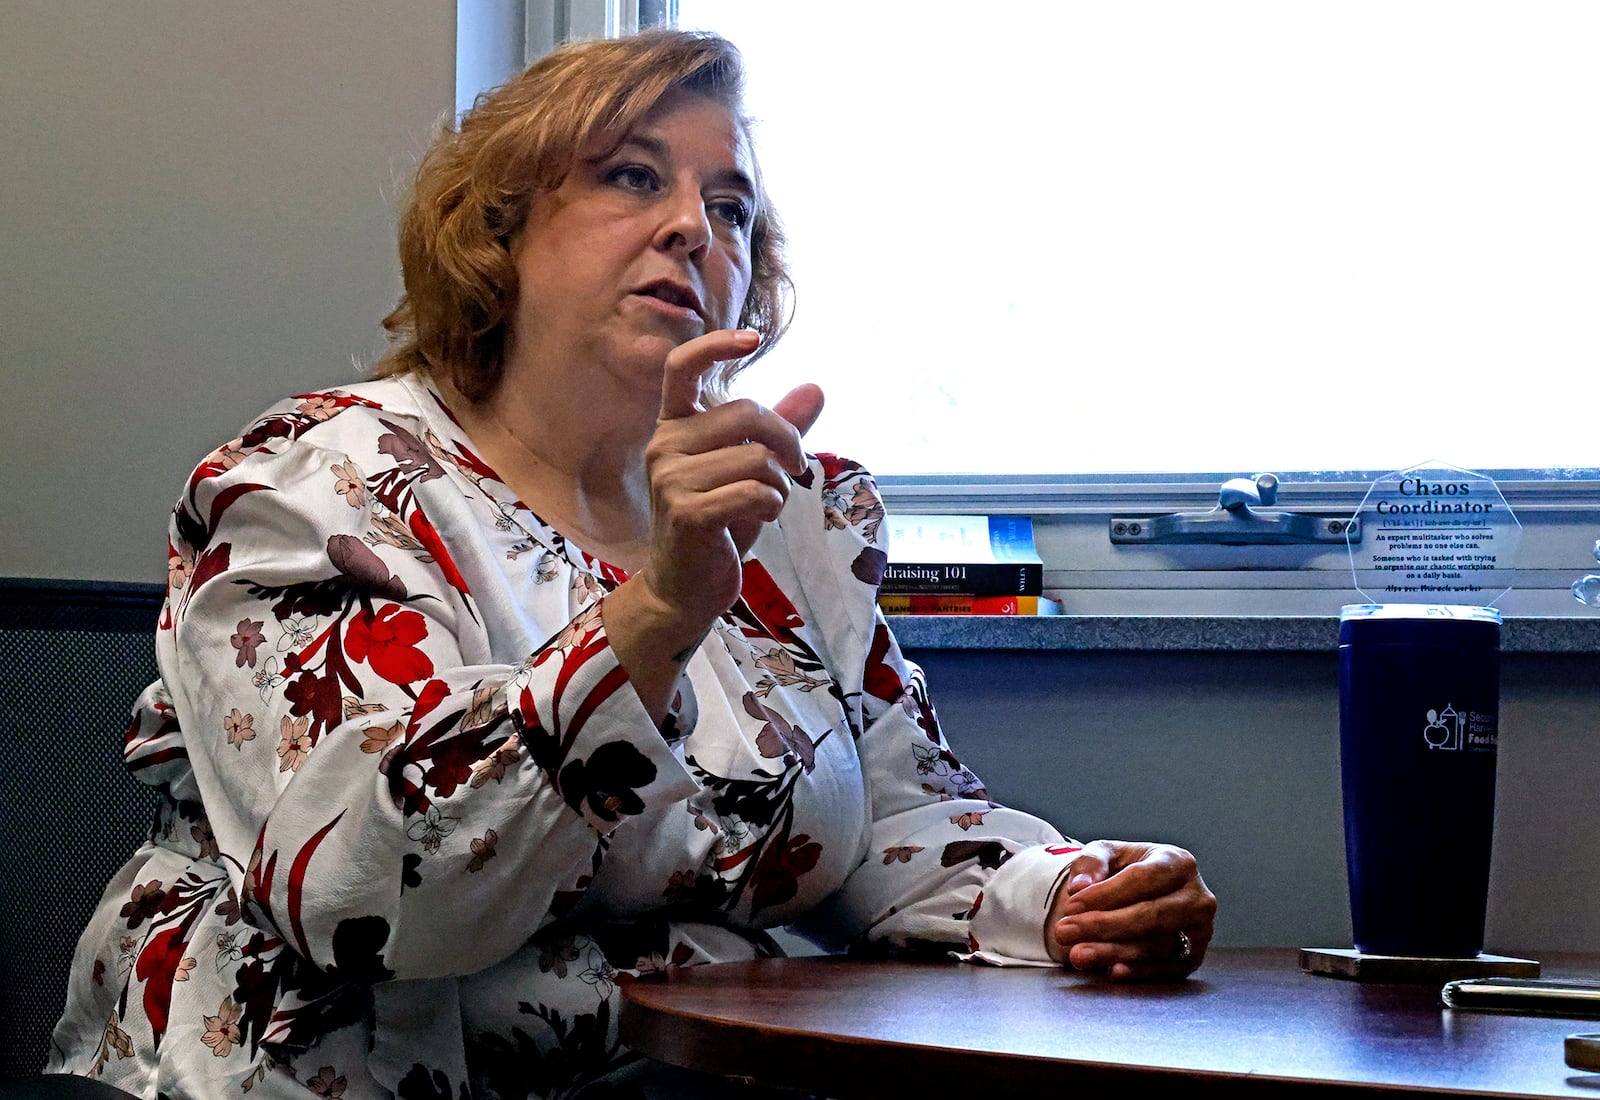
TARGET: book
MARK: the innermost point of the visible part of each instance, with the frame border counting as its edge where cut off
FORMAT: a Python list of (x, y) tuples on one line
[(962, 555), (929, 603)]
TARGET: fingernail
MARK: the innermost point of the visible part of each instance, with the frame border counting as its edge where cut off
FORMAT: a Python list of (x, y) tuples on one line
[(1078, 882), (1073, 908), (1066, 930)]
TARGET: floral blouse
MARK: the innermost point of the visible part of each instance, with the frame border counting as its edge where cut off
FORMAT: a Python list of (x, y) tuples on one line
[(416, 827)]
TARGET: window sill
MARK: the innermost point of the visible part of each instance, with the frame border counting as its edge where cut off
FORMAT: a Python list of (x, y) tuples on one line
[(1199, 633)]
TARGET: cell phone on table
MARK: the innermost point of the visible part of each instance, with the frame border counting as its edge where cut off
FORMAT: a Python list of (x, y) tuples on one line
[(1537, 996)]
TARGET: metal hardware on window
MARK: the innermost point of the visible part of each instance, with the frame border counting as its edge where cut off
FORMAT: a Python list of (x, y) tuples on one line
[(1237, 520)]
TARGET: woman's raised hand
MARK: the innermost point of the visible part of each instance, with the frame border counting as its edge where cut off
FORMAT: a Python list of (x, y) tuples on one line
[(716, 475)]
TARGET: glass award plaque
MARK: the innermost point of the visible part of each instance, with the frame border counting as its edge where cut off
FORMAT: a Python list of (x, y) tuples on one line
[(1434, 534)]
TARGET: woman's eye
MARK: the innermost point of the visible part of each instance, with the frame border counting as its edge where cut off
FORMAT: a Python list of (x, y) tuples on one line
[(635, 177), (732, 211)]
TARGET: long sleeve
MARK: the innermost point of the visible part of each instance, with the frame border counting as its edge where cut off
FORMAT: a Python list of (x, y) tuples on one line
[(946, 867), (408, 807)]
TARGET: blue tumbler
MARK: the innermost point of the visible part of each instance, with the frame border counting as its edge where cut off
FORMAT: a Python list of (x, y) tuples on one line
[(1419, 716)]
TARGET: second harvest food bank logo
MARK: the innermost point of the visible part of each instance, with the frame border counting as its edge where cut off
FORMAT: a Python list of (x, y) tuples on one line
[(1471, 730)]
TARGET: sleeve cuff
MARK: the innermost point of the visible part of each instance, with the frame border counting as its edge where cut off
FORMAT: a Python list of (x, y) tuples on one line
[(1008, 928)]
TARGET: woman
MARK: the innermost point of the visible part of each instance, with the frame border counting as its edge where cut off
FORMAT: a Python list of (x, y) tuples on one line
[(533, 665)]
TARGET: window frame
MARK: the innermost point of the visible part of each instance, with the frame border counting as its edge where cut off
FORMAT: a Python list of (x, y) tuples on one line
[(1559, 511)]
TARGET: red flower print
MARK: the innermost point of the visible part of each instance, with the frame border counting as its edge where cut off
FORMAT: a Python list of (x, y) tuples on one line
[(387, 642), (768, 602), (432, 694), (247, 635), (901, 854), (424, 531), (880, 679), (833, 465)]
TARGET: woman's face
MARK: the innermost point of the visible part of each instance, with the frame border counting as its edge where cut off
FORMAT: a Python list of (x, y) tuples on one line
[(640, 249)]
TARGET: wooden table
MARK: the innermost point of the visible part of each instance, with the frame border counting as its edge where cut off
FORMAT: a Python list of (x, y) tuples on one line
[(1249, 1023)]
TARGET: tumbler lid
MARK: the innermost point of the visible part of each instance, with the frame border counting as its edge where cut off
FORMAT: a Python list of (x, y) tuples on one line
[(1418, 623), (1419, 611)]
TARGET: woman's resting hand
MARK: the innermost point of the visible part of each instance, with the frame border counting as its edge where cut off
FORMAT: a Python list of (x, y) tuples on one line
[(1122, 908)]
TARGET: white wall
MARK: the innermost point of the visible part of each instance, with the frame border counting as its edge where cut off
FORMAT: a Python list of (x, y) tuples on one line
[(197, 219)]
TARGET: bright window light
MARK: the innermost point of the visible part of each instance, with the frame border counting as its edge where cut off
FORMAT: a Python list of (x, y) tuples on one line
[(1170, 235)]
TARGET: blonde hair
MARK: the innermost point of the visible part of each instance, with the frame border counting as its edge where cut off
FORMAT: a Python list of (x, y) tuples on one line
[(477, 182)]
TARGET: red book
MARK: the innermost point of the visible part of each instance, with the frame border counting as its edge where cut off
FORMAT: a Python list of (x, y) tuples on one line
[(959, 604)]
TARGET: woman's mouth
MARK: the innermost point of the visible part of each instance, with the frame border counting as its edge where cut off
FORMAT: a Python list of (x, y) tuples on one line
[(671, 299)]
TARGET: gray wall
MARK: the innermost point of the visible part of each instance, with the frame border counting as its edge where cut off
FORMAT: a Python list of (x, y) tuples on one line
[(1236, 757), (197, 219)]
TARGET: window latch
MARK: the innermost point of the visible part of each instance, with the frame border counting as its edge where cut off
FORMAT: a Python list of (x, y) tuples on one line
[(1239, 519)]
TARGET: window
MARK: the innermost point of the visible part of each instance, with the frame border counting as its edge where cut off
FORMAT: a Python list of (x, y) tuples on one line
[(1083, 260), (1040, 237)]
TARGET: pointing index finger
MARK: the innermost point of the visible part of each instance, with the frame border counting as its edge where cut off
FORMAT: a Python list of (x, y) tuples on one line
[(688, 363)]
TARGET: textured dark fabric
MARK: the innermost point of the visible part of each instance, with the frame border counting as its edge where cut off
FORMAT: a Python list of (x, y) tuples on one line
[(72, 659)]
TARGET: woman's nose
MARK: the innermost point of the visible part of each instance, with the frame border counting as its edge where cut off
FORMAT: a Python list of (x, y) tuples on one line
[(684, 224)]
